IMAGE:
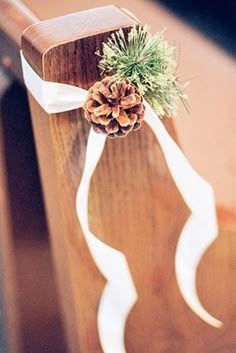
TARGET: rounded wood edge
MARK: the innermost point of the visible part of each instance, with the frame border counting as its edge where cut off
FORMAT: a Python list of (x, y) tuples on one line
[(39, 38)]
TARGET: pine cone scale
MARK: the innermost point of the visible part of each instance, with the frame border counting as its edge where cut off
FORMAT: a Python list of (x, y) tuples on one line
[(103, 120), (123, 119), (112, 127), (104, 91), (133, 118), (98, 97), (116, 111), (103, 109), (128, 101)]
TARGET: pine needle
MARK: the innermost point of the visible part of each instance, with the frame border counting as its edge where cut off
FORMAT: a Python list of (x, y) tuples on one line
[(149, 63)]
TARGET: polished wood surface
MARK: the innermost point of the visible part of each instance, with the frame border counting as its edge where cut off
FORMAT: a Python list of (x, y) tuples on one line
[(161, 321), (134, 206)]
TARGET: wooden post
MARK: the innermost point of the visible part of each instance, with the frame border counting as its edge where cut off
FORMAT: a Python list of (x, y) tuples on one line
[(29, 315), (132, 198)]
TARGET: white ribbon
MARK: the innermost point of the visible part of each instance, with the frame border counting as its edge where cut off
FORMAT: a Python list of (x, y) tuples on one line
[(52, 96), (201, 228), (197, 235), (119, 294)]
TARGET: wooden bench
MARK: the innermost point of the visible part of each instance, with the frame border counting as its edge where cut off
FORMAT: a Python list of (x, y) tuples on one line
[(144, 227)]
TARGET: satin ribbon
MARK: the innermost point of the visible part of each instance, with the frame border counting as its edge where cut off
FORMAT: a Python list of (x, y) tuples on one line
[(197, 235)]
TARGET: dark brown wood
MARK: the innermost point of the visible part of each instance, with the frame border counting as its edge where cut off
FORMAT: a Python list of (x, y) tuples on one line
[(131, 174), (66, 234), (134, 206)]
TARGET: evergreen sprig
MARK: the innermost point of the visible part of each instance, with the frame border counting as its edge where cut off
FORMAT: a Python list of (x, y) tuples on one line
[(149, 62)]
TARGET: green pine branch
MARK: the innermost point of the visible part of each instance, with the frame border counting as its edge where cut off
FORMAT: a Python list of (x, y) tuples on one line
[(149, 62)]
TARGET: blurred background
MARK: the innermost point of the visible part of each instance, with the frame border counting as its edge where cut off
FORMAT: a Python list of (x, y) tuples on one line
[(215, 19), (204, 34)]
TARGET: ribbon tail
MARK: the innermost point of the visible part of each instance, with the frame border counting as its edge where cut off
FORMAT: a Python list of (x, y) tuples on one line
[(119, 294), (201, 228)]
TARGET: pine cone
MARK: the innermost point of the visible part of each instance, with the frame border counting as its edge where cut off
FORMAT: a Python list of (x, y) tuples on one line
[(114, 107)]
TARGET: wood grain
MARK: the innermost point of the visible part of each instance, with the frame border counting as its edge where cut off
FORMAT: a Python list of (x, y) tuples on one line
[(134, 206), (131, 172)]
